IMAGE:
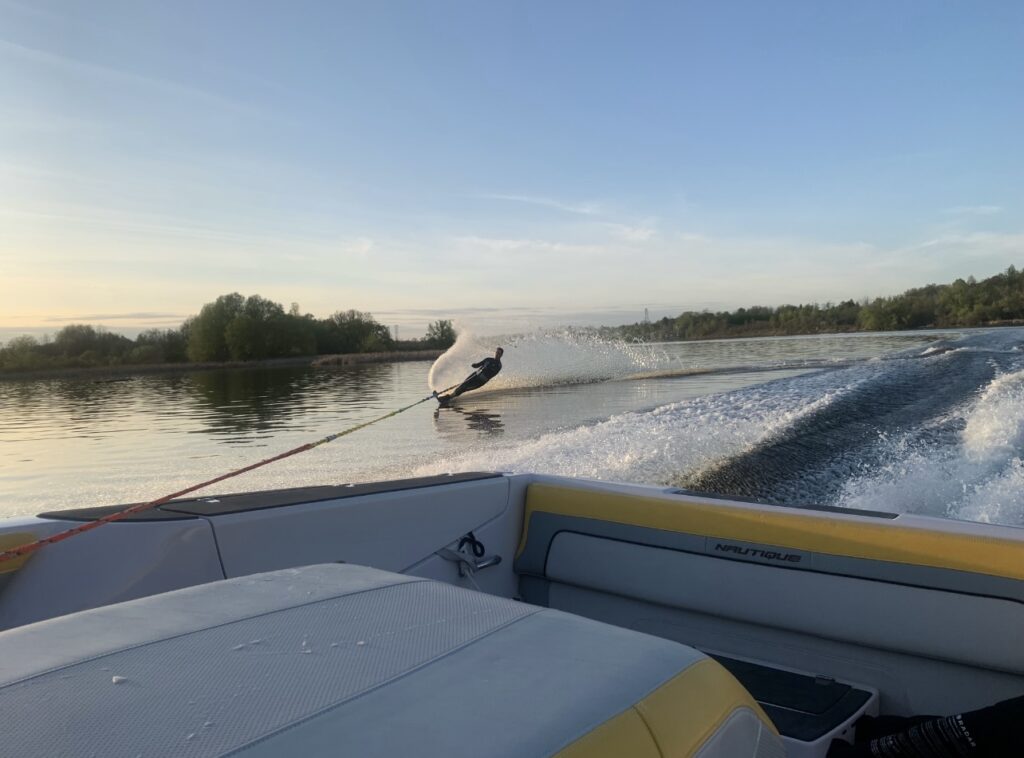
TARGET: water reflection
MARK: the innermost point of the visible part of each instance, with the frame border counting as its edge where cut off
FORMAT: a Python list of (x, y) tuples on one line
[(244, 404), (81, 409), (481, 421)]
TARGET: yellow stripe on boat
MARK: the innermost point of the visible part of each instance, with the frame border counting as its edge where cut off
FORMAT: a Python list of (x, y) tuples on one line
[(13, 540), (623, 735), (850, 537), (674, 721)]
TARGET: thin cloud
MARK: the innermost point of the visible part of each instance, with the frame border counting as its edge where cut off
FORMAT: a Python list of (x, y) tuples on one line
[(632, 233), (976, 243), (113, 317), (974, 210), (29, 10), (360, 247), (582, 209), (502, 248), (108, 74), (157, 226)]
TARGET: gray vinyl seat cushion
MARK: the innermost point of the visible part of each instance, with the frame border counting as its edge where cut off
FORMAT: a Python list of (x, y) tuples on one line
[(345, 660)]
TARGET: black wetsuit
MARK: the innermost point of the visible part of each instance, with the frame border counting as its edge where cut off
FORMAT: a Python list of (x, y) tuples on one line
[(487, 369), (992, 732)]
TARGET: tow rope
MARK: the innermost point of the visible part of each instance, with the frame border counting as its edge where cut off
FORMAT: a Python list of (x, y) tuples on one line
[(31, 547)]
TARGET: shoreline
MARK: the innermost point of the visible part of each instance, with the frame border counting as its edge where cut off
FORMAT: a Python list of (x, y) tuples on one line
[(769, 334), (123, 372), (119, 373), (394, 356)]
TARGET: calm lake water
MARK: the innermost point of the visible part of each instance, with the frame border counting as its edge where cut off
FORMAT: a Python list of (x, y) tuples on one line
[(570, 405)]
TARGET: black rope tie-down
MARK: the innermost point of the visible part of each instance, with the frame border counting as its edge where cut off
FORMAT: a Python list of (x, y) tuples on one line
[(469, 561), (474, 544)]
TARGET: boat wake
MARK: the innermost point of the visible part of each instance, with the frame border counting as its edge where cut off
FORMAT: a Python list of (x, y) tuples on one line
[(937, 432), (971, 469)]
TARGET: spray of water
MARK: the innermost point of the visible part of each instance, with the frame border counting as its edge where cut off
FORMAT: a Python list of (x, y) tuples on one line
[(548, 358)]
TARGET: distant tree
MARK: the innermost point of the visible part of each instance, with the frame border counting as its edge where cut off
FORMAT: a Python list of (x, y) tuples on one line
[(75, 339), (161, 346), (998, 299), (249, 335), (440, 334), (292, 336), (21, 353), (207, 340), (353, 332), (83, 345), (145, 354)]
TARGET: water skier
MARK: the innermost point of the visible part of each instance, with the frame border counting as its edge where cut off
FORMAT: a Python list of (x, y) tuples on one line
[(486, 370)]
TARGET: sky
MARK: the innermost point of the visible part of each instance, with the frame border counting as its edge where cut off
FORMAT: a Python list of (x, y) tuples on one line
[(508, 165)]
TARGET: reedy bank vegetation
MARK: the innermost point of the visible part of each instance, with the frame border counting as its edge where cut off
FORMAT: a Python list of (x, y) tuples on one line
[(998, 300), (231, 328)]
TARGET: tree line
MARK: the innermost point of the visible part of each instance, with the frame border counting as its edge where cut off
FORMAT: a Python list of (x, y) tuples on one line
[(998, 300), (231, 328), (237, 328)]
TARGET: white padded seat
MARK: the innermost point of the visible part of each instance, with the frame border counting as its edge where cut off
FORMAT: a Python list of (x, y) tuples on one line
[(341, 660)]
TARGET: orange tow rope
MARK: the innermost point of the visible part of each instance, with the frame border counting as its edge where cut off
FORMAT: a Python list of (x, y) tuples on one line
[(31, 547)]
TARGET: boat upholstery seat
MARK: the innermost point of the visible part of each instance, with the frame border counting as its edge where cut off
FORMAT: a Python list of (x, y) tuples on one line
[(825, 575), (345, 660)]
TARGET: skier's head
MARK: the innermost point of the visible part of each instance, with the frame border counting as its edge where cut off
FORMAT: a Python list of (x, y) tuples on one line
[(498, 353)]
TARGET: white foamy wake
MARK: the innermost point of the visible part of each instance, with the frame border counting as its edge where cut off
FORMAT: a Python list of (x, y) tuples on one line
[(547, 358), (655, 447), (979, 477)]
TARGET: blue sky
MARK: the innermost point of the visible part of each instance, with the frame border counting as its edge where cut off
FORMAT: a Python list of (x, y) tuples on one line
[(508, 165)]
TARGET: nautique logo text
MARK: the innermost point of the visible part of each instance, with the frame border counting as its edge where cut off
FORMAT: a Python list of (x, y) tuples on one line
[(754, 552)]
